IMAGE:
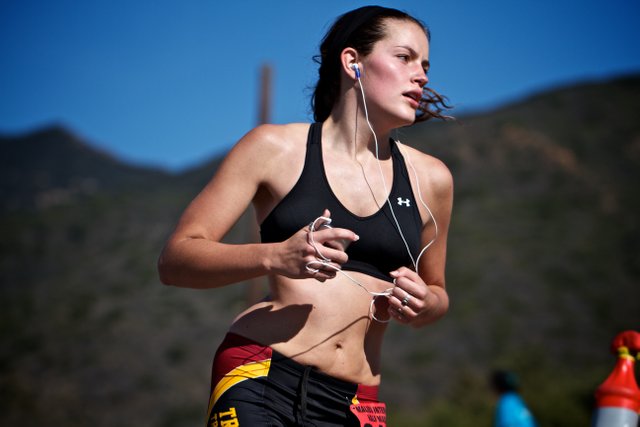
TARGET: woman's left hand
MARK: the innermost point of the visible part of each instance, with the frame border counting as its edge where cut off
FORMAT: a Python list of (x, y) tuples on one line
[(411, 298)]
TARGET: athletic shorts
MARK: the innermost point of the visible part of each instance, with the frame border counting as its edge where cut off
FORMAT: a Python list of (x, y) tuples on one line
[(253, 385)]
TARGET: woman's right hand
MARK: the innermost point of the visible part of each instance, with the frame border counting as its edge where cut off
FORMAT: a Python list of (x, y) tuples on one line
[(316, 254)]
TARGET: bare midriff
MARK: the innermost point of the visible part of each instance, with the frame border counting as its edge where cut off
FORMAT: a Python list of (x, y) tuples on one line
[(327, 325)]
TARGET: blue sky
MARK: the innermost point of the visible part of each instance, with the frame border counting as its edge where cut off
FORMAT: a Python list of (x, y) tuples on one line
[(172, 83)]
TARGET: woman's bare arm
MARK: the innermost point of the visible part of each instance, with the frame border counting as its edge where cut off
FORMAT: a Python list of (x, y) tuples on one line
[(195, 256)]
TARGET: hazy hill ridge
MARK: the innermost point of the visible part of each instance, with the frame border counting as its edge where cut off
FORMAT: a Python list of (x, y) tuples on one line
[(51, 166), (543, 270)]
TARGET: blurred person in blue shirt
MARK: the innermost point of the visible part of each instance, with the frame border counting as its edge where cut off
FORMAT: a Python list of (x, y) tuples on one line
[(511, 410)]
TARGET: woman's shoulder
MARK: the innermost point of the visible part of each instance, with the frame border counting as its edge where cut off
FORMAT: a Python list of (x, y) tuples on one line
[(263, 151), (270, 142), (275, 136)]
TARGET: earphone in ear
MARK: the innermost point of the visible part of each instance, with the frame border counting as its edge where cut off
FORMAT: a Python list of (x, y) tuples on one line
[(356, 68)]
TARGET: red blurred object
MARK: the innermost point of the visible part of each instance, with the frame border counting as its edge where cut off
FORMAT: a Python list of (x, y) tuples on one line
[(618, 397), (620, 388)]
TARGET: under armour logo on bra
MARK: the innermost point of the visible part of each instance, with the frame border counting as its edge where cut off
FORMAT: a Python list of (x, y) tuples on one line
[(404, 202)]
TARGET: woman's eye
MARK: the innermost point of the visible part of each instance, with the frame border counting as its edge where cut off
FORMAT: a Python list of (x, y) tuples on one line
[(405, 58)]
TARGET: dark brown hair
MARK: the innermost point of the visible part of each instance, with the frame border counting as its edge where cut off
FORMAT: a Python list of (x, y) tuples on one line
[(361, 29)]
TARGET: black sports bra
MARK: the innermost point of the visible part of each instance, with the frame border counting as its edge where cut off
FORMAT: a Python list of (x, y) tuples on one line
[(380, 248)]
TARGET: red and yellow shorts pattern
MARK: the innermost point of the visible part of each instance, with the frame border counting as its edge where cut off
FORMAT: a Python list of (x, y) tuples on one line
[(253, 385)]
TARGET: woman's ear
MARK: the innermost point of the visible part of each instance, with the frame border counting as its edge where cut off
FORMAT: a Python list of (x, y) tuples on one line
[(350, 65)]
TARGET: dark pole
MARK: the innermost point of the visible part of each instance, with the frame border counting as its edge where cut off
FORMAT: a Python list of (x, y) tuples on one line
[(256, 287)]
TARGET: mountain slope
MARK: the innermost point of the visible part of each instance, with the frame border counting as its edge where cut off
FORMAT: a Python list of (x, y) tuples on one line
[(52, 166)]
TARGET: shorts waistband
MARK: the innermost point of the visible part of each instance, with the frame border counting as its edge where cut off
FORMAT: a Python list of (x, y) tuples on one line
[(255, 351)]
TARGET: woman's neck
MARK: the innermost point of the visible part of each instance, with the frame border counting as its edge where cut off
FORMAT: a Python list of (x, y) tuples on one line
[(347, 129)]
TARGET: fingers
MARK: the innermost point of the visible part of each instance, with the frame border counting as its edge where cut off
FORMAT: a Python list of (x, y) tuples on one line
[(326, 247), (321, 270), (329, 243), (406, 300), (318, 257), (333, 242)]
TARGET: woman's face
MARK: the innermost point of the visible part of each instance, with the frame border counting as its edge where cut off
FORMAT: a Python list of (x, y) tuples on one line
[(394, 74)]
